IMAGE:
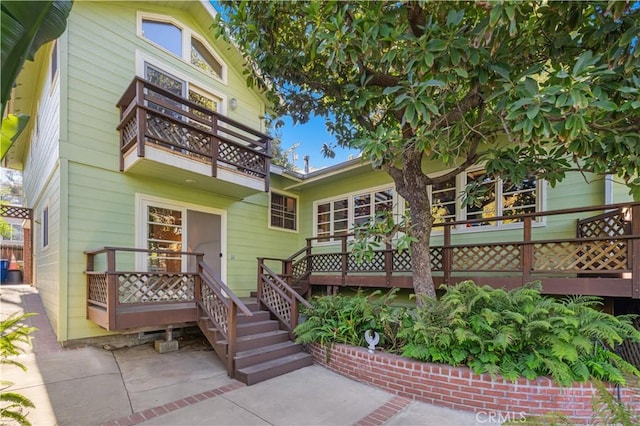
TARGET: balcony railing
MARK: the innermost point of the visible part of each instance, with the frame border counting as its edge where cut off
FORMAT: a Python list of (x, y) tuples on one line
[(151, 116)]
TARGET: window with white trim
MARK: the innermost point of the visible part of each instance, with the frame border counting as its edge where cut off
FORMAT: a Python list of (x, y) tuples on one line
[(338, 215), (496, 198), (182, 88), (178, 39), (283, 212)]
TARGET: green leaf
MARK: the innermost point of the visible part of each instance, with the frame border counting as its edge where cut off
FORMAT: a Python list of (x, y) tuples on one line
[(582, 63), (27, 25), (12, 126), (501, 71), (436, 45)]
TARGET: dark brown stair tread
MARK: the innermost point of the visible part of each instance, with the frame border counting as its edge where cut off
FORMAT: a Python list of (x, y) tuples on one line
[(274, 363), (261, 335), (257, 351)]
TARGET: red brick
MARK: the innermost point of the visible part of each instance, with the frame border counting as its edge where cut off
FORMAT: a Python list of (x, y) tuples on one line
[(170, 406), (149, 414), (160, 410)]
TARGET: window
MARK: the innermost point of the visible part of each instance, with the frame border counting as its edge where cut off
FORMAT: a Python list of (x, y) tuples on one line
[(337, 216), (496, 198), (176, 38), (284, 212), (164, 34), (45, 227), (368, 206), (203, 59), (164, 232), (181, 88), (332, 218)]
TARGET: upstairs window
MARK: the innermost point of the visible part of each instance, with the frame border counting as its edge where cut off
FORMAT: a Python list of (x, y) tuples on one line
[(164, 34), (181, 41), (203, 59)]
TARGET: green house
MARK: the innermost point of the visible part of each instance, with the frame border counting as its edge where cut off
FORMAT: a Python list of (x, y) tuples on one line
[(146, 155)]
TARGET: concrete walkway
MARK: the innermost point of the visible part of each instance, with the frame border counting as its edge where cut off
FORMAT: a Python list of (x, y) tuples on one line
[(136, 385)]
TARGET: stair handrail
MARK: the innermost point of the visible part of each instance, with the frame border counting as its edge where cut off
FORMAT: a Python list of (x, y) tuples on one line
[(220, 306), (283, 291)]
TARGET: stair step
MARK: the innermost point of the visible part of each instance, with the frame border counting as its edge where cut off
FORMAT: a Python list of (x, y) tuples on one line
[(257, 316), (276, 367), (256, 327), (267, 353), (251, 303), (267, 338)]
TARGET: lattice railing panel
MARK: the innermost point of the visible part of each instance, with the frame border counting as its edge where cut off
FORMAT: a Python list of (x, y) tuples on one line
[(246, 160), (215, 308), (274, 300), (17, 212), (376, 264), (402, 261), (490, 258), (610, 225), (98, 288), (328, 262), (129, 130), (574, 256), (299, 268), (437, 260), (153, 287), (187, 138)]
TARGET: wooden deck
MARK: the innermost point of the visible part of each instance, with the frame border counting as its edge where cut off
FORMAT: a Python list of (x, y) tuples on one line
[(601, 259)]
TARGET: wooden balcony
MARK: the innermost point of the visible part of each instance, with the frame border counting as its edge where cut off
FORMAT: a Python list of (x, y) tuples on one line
[(119, 298), (601, 257), (168, 137)]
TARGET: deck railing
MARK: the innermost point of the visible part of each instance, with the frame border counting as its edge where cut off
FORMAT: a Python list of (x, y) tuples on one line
[(279, 297), (219, 305), (605, 246), (116, 286), (153, 116)]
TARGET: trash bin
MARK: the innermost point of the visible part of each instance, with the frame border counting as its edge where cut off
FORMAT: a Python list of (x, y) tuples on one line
[(4, 265)]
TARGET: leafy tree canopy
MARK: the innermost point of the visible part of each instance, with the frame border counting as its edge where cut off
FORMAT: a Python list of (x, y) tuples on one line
[(527, 87)]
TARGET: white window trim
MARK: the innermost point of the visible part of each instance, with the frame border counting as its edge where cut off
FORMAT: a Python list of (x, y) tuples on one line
[(277, 228), (187, 34), (141, 203), (142, 58), (398, 208)]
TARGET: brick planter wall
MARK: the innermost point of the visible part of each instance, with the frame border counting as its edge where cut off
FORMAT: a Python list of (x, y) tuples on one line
[(460, 388)]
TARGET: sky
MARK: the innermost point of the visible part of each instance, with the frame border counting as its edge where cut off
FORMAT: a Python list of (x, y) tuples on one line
[(310, 137)]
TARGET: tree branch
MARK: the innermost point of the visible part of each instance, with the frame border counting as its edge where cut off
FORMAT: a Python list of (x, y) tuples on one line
[(417, 19)]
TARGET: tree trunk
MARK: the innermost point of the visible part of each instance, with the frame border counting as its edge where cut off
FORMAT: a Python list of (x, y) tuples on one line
[(411, 184)]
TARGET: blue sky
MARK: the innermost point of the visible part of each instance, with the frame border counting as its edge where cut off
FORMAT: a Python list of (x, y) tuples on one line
[(311, 136)]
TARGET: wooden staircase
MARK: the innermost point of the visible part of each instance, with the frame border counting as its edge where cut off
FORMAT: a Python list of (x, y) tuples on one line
[(262, 349)]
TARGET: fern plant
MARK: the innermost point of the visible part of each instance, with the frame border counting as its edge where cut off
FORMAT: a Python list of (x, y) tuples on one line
[(345, 319), (609, 410), (14, 337), (520, 333)]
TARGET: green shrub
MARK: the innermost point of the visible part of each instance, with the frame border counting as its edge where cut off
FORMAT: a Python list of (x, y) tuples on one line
[(14, 335), (520, 333), (345, 319)]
